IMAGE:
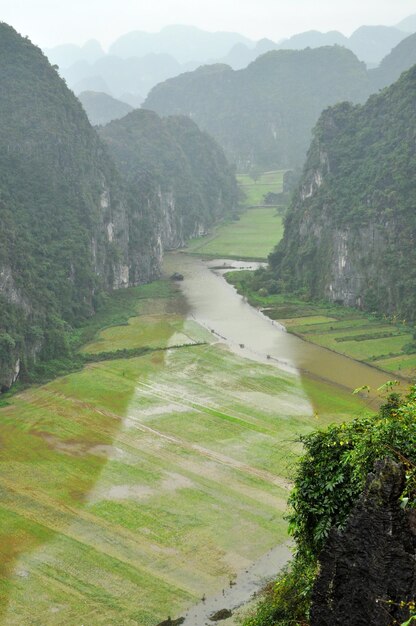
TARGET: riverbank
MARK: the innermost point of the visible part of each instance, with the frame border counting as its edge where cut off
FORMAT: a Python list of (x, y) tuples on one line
[(375, 341), (127, 486)]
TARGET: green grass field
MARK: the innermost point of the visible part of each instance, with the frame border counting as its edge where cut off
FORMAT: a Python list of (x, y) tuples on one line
[(255, 232), (254, 191), (253, 236), (404, 365), (127, 487)]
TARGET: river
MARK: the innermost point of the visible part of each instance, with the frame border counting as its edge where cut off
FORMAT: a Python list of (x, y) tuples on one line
[(216, 305)]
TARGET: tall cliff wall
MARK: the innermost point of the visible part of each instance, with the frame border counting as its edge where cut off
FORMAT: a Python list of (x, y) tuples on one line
[(179, 171), (72, 225), (351, 229)]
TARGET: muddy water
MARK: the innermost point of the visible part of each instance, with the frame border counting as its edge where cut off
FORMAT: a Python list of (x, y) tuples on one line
[(216, 305), (247, 583)]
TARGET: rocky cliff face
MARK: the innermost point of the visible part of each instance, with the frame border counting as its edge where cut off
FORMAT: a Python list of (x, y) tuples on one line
[(368, 570), (177, 170), (66, 221), (73, 224), (351, 229)]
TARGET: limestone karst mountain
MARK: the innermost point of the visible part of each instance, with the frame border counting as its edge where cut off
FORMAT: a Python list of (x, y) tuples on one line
[(350, 231)]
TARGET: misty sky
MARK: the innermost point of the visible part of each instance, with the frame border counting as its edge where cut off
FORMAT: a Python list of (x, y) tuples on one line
[(50, 22)]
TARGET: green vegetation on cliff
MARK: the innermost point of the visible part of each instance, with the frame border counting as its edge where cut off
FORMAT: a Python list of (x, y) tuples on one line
[(330, 479), (263, 115), (72, 226), (349, 234), (181, 168), (58, 193)]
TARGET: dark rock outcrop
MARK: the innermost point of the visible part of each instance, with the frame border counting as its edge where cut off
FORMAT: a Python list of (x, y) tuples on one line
[(221, 615), (368, 569), (172, 622)]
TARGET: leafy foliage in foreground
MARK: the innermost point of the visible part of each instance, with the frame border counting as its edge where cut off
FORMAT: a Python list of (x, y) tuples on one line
[(286, 601), (332, 473), (329, 480)]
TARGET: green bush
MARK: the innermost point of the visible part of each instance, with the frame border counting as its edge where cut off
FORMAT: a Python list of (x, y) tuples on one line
[(333, 470), (286, 602), (330, 478)]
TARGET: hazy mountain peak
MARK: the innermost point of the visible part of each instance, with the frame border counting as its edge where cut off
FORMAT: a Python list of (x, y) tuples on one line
[(185, 43), (102, 108), (408, 24), (66, 55)]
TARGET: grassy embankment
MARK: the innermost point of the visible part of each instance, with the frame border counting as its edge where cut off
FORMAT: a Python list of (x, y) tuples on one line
[(127, 487), (379, 342), (256, 231)]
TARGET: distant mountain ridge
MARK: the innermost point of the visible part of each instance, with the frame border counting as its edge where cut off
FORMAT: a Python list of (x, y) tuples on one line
[(369, 43), (138, 60), (102, 108), (263, 115), (185, 43), (401, 58)]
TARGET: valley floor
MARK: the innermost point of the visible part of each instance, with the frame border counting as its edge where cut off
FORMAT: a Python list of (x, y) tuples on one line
[(135, 486), (254, 230)]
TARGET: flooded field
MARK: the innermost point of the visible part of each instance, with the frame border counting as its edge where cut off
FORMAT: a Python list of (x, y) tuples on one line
[(138, 486)]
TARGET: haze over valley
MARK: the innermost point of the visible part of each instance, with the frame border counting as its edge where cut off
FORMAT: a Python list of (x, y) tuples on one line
[(138, 60), (207, 314)]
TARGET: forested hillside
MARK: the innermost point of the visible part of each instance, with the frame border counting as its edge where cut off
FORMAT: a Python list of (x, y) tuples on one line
[(263, 115), (102, 108), (71, 228), (350, 232), (401, 58), (65, 219), (176, 168)]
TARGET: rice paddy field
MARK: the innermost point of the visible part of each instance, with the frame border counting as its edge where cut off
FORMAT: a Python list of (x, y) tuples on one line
[(252, 237), (255, 190), (255, 231), (133, 487), (366, 339), (377, 341)]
